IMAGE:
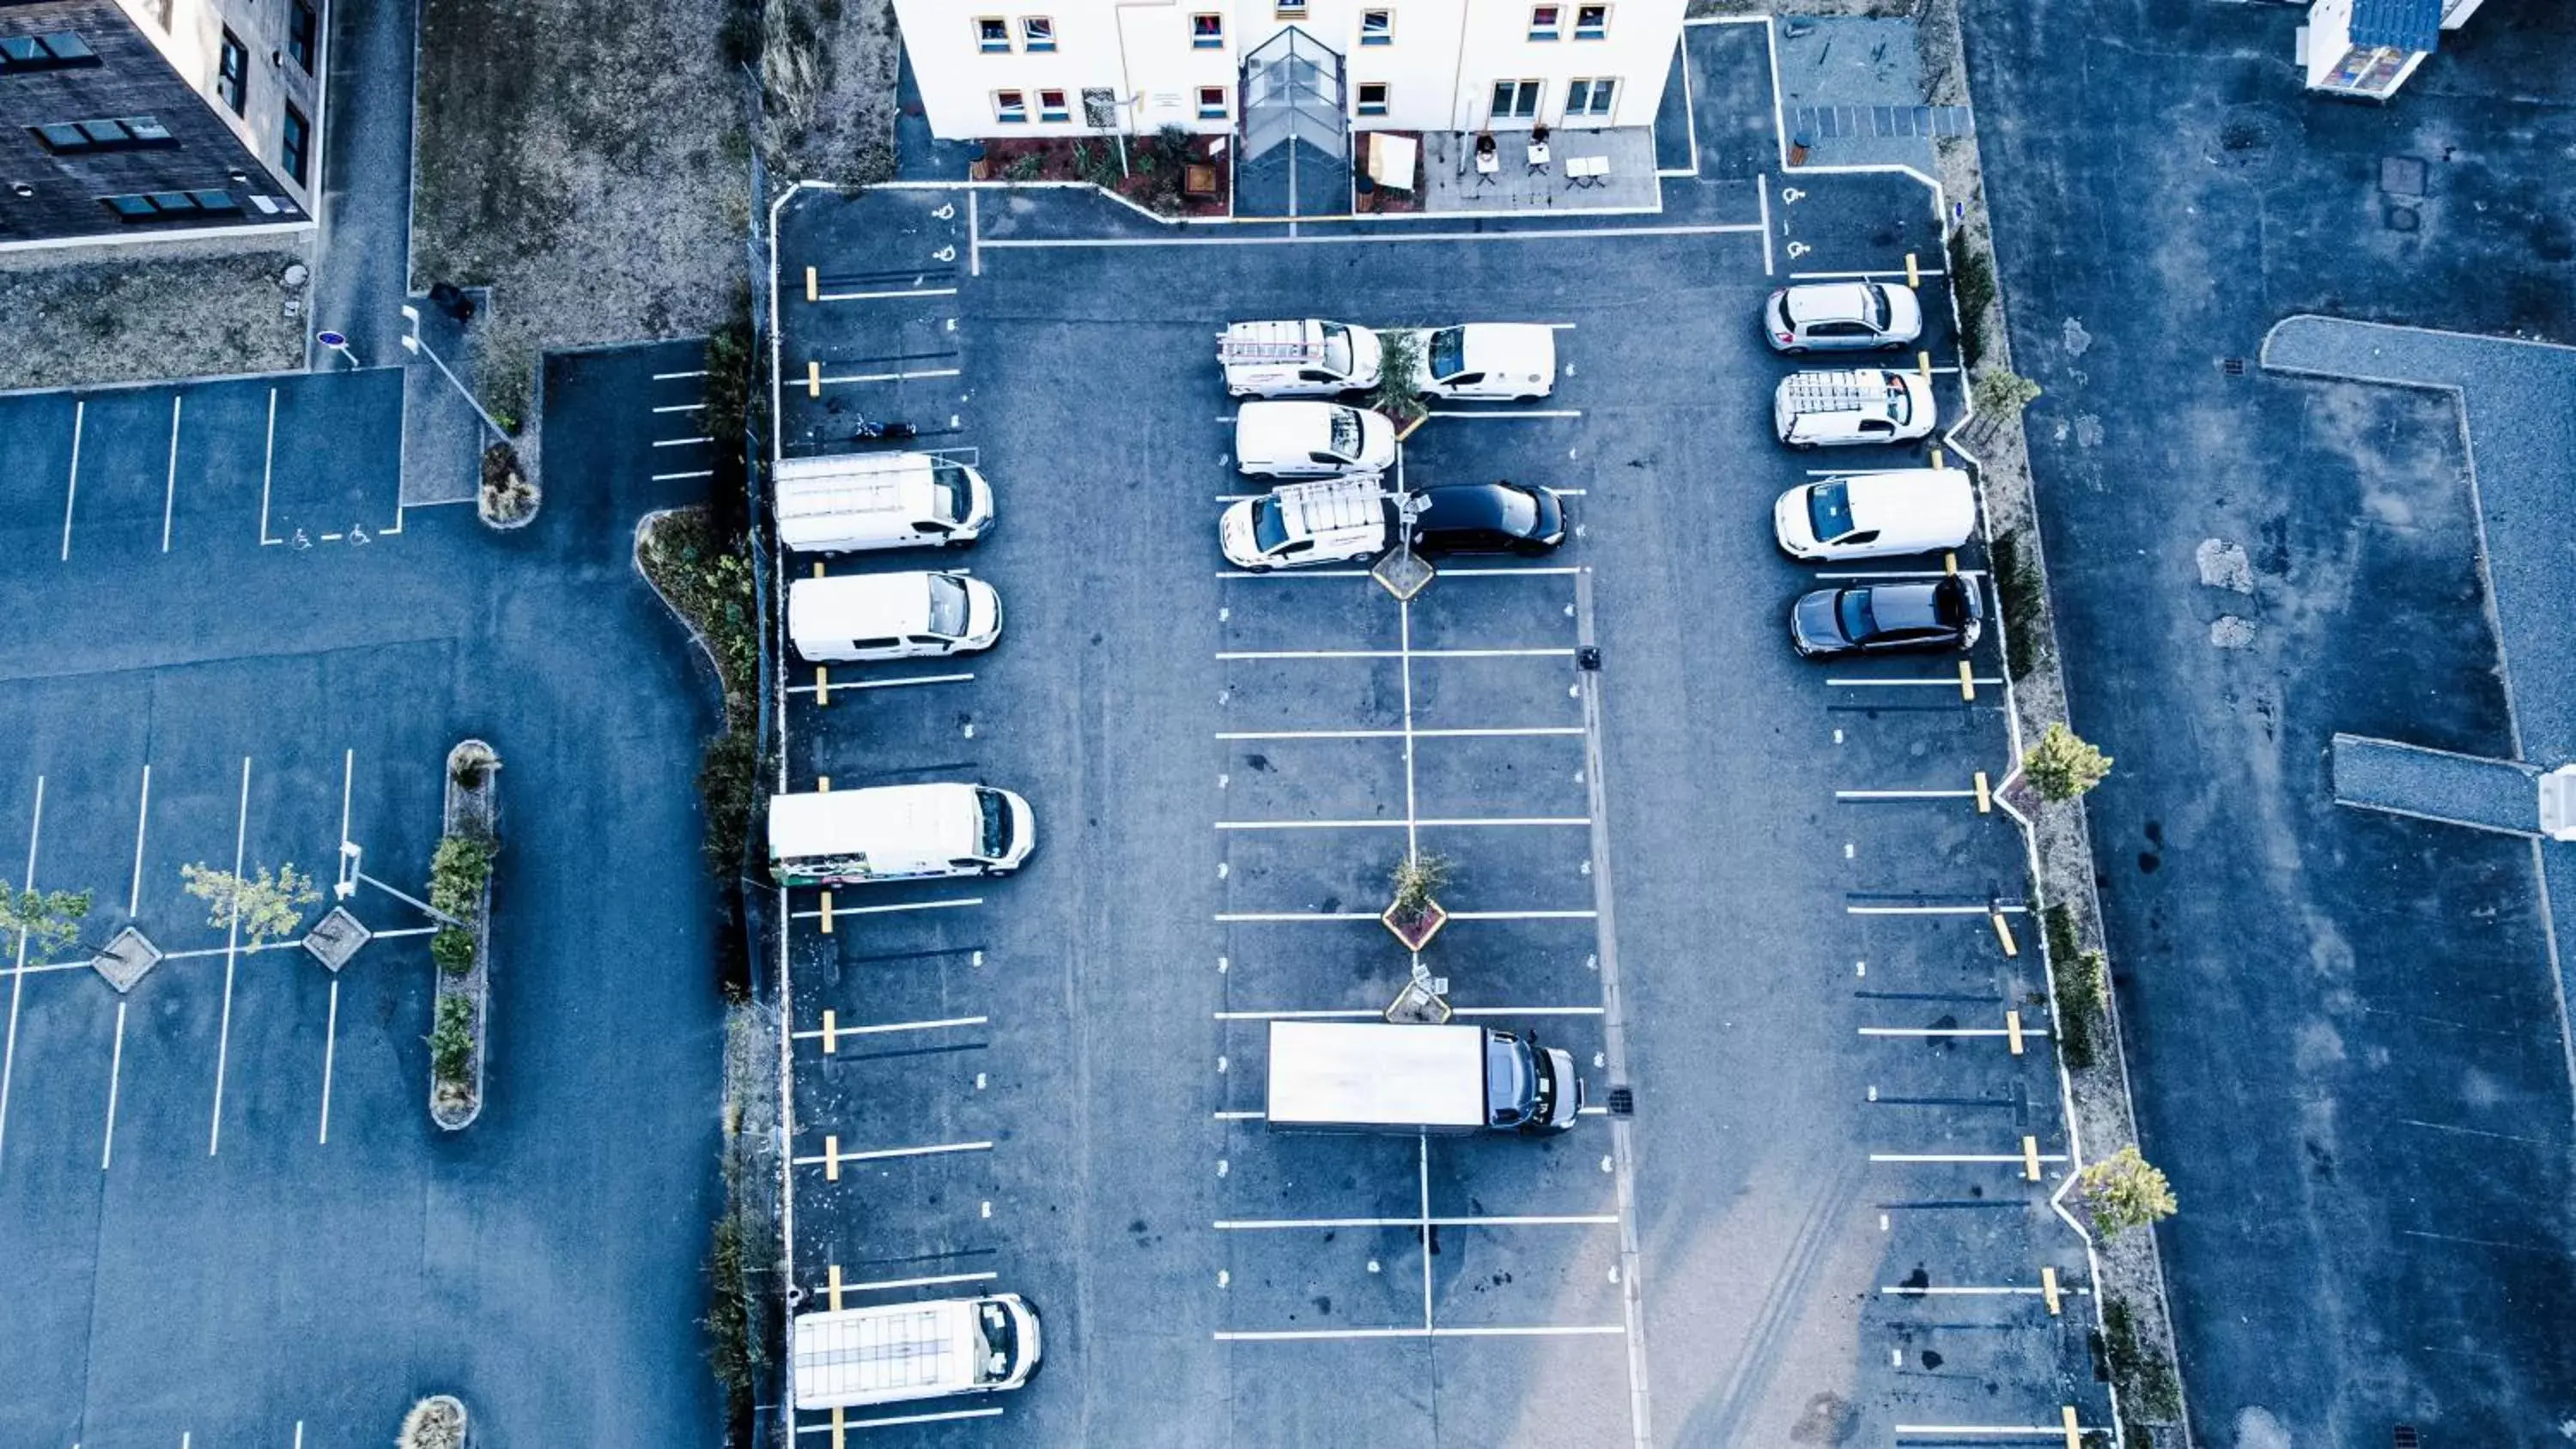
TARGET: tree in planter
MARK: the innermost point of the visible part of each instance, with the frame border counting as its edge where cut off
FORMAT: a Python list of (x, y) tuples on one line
[(50, 920), (2124, 1191), (457, 873), (1413, 915), (1399, 361), (437, 1422), (451, 1040), (2063, 766), (264, 907), (2000, 395)]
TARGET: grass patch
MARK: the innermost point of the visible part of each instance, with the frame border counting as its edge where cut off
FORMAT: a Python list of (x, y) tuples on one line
[(2149, 1388), (2025, 603)]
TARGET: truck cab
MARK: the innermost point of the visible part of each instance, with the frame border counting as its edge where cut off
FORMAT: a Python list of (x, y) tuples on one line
[(1529, 1088), (1309, 523)]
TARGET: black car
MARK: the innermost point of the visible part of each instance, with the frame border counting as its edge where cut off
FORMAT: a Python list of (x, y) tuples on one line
[(1486, 518), (1867, 618)]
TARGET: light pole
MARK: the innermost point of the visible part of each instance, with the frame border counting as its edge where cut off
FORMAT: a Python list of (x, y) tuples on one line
[(413, 342), (351, 877)]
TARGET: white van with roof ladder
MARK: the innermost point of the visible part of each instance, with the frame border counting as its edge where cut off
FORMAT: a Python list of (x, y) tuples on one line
[(891, 1353), (1832, 409), (1311, 358), (860, 617), (850, 502), (897, 832), (1309, 523)]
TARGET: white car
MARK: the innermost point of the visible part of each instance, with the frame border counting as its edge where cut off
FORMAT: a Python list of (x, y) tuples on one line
[(1841, 317), (1297, 359), (1835, 409), (1514, 360), (1875, 515), (1311, 440), (863, 617), (1309, 523)]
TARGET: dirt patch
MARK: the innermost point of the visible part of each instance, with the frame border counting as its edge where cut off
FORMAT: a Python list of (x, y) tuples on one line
[(150, 315), (587, 160), (828, 88)]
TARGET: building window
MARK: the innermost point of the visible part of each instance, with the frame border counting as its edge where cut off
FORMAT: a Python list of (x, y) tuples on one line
[(300, 30), (171, 205), (1377, 27), (1211, 103), (1207, 31), (1037, 33), (1051, 107), (1590, 97), (1543, 20), (1515, 100), (992, 34), (53, 50), (1011, 108), (1372, 98), (1591, 22), (120, 133), (232, 74), (295, 143), (1289, 9)]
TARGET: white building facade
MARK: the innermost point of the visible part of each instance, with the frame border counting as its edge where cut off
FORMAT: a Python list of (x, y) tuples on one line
[(1026, 68)]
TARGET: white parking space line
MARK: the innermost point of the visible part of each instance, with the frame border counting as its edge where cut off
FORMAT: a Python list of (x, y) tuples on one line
[(268, 470), (828, 380), (888, 1284), (1422, 1160), (330, 1049), (1247, 918), (839, 1031), (1285, 575), (232, 944), (18, 977), (2016, 1159), (1235, 655), (1856, 795), (881, 296), (1464, 733), (1935, 910), (71, 494), (1492, 1220), (1900, 1290), (675, 477), (1242, 1116), (115, 1069), (2052, 1432), (840, 911), (885, 1154), (1361, 1013), (679, 442), (1762, 194), (1502, 413), (828, 1427), (1521, 916), (142, 815), (695, 407), (882, 683), (1949, 683), (1851, 276), (1384, 238), (1839, 574), (1536, 1330), (170, 489), (1950, 1031), (1396, 824), (674, 376)]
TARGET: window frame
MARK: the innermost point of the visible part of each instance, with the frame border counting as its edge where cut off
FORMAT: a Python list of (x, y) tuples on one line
[(1003, 110), (232, 73), (1551, 31), (1224, 108), (1360, 103), (295, 144), (1594, 89), (1058, 114), (992, 34), (303, 32), (1384, 34), (1598, 30), (1288, 9), (1207, 30), (1040, 41), (1534, 88)]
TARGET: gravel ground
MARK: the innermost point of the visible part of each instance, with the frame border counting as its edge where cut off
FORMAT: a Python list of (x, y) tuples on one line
[(587, 160), (828, 70), (188, 313)]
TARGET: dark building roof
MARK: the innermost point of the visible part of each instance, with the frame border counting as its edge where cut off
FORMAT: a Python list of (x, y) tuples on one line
[(2405, 24), (99, 135)]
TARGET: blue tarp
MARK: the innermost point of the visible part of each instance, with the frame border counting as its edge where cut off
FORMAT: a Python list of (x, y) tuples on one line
[(2405, 24)]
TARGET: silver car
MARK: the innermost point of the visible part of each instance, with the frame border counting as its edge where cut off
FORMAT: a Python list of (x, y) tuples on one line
[(1841, 317)]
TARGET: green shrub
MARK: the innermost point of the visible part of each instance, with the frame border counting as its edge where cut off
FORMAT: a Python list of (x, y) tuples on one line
[(2124, 1191), (1025, 168), (728, 784), (733, 1347), (2078, 975), (2063, 765), (451, 1041), (2000, 395), (457, 873), (453, 950), (2025, 604), (2148, 1385)]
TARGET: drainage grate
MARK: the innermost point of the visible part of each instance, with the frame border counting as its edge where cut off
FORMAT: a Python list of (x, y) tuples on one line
[(2232, 366), (2406, 1439), (1623, 1101)]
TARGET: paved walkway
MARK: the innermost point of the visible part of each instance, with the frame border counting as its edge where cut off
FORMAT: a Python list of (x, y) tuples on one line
[(1450, 182)]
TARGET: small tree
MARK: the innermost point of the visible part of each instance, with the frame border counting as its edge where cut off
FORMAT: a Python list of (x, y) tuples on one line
[(265, 907), (1399, 361), (1415, 878), (2124, 1191), (453, 950), (2001, 395), (456, 874), (50, 920), (2063, 766)]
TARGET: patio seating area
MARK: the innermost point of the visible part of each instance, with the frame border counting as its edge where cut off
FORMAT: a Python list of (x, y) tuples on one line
[(1608, 170)]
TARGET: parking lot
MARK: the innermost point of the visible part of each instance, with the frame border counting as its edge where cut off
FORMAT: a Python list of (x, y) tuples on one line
[(238, 645), (1764, 896)]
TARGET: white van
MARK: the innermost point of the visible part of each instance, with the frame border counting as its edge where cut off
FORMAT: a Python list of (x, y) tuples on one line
[(1311, 358), (854, 501), (897, 832), (861, 617), (1874, 515), (1486, 360), (1311, 440), (1309, 523), (897, 1352), (1831, 409)]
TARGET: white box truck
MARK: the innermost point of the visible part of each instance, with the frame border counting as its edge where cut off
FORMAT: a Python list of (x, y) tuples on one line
[(1367, 1076), (901, 1351), (851, 502)]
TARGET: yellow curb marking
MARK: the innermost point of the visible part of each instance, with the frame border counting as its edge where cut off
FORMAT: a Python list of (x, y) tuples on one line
[(813, 379), (2048, 1290), (2012, 1030), (831, 1018), (1913, 277), (2030, 1159), (1985, 796), (2003, 933), (832, 1159), (1967, 682)]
